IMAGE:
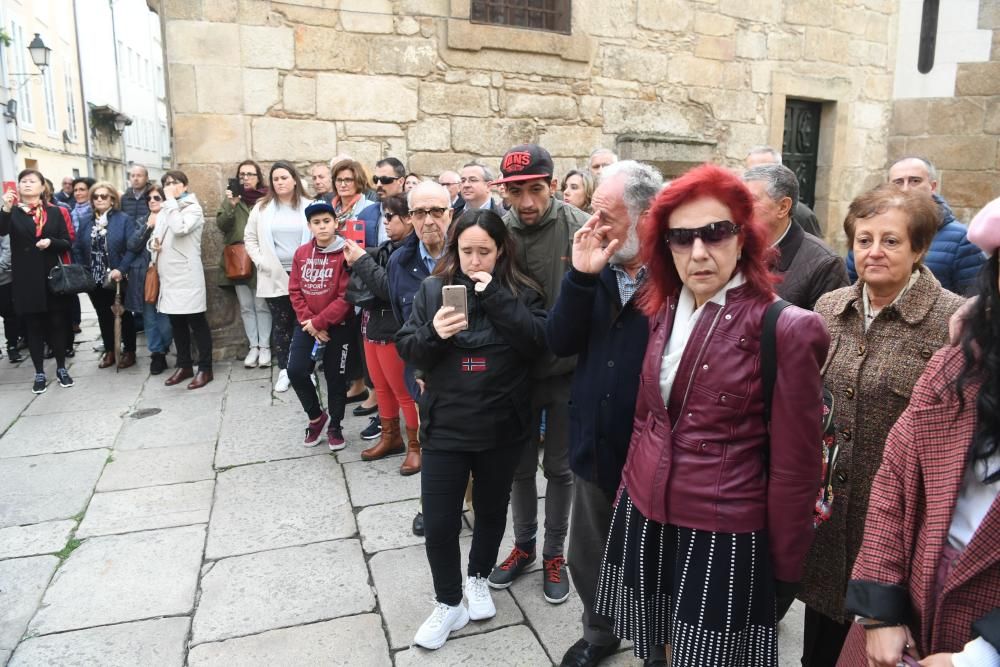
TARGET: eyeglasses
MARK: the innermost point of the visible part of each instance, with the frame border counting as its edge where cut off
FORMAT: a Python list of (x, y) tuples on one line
[(471, 179), (344, 181), (389, 216), (155, 198), (247, 175), (711, 234), (102, 195), (420, 213), (171, 182), (386, 180)]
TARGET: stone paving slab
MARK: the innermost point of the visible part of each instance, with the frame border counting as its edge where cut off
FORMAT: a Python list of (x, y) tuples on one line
[(404, 607), (122, 578), (239, 373), (262, 434), (132, 469), (110, 393), (40, 538), (43, 488), (249, 393), (377, 482), (354, 641), (159, 643), (279, 504), (557, 625), (154, 386), (22, 584), (147, 508), (509, 646), (12, 403), (389, 526), (67, 432), (245, 595), (184, 419)]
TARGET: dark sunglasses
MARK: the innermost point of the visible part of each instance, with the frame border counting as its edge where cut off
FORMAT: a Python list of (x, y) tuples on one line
[(386, 180), (155, 198), (711, 234), (102, 195)]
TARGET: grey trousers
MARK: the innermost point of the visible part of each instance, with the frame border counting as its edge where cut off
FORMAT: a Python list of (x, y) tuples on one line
[(588, 532), (552, 396)]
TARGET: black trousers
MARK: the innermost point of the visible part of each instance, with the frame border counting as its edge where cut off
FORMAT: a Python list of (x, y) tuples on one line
[(357, 365), (11, 329), (443, 478), (103, 299), (184, 326), (300, 368), (50, 327), (822, 640), (283, 323)]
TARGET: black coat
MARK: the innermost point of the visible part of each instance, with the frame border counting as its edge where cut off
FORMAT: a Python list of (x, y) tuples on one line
[(371, 270), (588, 320), (29, 265), (478, 382)]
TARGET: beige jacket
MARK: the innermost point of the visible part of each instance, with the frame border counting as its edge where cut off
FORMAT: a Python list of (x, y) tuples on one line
[(182, 277), (272, 280)]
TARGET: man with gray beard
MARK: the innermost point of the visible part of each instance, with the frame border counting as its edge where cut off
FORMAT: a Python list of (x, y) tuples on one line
[(596, 317)]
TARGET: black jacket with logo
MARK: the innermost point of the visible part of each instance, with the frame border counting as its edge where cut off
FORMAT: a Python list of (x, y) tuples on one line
[(478, 382)]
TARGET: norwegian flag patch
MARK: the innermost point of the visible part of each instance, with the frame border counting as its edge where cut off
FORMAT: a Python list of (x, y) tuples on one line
[(473, 364)]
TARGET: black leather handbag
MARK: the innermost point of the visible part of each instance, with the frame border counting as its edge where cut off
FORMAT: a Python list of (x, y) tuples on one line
[(68, 279)]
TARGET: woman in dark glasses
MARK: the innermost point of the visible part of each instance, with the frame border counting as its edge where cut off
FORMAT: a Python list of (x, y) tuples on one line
[(714, 515), (159, 333)]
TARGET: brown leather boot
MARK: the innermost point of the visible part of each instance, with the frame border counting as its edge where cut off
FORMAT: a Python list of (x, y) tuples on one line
[(411, 464), (390, 442)]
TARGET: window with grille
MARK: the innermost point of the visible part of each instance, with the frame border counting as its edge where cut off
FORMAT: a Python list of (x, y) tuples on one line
[(550, 15), (70, 102)]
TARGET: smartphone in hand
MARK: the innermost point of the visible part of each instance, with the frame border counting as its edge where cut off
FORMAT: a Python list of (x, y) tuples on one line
[(456, 296), (235, 187), (354, 230)]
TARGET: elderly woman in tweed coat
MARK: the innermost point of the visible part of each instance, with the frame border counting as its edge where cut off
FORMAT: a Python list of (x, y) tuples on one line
[(927, 580), (884, 329)]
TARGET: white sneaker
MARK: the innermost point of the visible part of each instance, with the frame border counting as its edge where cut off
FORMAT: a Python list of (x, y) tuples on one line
[(264, 359), (442, 621), (251, 359), (283, 382), (477, 592)]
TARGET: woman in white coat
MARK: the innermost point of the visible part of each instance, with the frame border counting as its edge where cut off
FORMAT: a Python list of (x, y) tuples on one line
[(176, 245), (276, 228)]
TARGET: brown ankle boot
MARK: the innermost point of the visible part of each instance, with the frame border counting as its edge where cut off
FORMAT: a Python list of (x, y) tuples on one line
[(411, 464), (390, 442)]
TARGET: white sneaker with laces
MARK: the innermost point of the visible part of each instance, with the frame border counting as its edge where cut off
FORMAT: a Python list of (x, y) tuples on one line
[(442, 621), (251, 359), (283, 382), (264, 358), (477, 592)]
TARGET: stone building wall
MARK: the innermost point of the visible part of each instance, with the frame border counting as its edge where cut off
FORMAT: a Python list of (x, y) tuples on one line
[(674, 82), (959, 133)]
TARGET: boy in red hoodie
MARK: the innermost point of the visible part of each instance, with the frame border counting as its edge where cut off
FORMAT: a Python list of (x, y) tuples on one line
[(316, 287)]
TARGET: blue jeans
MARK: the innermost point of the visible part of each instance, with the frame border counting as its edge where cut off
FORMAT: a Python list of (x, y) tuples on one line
[(159, 334)]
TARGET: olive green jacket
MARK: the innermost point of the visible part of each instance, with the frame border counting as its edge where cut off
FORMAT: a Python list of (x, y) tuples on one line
[(232, 221)]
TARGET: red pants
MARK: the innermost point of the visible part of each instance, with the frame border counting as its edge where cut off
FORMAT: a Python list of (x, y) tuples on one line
[(386, 370)]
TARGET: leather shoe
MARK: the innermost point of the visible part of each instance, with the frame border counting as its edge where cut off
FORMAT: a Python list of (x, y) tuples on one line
[(418, 524), (107, 360), (201, 379), (127, 360), (179, 376), (585, 654), (357, 398), (362, 411)]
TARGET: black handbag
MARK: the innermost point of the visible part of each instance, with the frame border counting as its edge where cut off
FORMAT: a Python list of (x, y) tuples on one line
[(66, 279)]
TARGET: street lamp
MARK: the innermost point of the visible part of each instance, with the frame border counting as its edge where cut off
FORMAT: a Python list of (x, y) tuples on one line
[(39, 52), (121, 122)]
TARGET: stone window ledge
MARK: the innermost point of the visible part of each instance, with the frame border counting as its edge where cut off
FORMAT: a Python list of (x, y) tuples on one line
[(466, 36)]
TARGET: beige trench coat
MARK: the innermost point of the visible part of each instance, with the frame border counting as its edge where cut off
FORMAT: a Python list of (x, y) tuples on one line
[(182, 277)]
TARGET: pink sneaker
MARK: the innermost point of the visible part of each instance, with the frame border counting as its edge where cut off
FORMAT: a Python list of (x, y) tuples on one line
[(314, 430), (335, 438)]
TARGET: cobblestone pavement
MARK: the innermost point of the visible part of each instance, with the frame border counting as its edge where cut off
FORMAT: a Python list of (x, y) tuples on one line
[(150, 525)]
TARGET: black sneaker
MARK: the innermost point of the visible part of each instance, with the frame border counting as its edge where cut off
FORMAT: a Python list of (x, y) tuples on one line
[(555, 585), (14, 355), (418, 524), (158, 363), (70, 352), (64, 379), (504, 574), (40, 384), (373, 430)]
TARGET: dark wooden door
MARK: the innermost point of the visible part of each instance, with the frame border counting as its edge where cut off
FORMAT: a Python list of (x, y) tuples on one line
[(800, 145)]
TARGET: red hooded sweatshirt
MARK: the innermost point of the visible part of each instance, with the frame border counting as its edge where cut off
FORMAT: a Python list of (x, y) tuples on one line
[(318, 283)]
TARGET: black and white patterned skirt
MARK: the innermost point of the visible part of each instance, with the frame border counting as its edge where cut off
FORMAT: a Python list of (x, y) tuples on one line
[(709, 595)]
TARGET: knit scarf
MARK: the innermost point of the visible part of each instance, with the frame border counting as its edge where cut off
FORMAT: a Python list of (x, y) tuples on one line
[(37, 213), (250, 197), (345, 210)]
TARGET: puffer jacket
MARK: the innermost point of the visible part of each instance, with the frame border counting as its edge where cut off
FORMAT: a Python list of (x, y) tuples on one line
[(952, 258), (707, 461)]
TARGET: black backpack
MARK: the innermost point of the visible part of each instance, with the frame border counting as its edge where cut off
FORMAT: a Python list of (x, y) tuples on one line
[(769, 371)]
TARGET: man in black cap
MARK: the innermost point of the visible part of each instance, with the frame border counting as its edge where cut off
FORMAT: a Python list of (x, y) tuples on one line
[(544, 227)]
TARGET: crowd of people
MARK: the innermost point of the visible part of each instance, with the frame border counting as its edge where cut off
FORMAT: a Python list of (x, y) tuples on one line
[(737, 415)]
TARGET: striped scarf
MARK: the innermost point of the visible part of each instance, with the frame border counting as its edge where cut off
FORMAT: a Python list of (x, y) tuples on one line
[(37, 213)]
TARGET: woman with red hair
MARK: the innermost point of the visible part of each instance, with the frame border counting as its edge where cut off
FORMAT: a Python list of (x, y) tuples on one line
[(714, 514)]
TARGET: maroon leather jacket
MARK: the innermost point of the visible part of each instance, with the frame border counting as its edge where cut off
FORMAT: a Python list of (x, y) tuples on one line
[(706, 462)]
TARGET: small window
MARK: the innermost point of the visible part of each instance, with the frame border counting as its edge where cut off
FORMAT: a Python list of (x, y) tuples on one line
[(549, 15)]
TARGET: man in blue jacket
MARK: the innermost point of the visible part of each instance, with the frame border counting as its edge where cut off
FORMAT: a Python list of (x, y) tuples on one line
[(596, 317), (953, 260)]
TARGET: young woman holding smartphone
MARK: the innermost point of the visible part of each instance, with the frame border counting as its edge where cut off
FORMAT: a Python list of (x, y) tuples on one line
[(474, 411)]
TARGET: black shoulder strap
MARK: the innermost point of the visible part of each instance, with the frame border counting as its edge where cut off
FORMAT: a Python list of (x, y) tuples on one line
[(769, 353)]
